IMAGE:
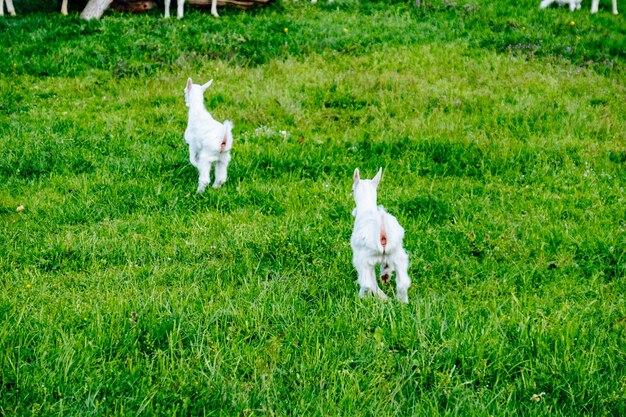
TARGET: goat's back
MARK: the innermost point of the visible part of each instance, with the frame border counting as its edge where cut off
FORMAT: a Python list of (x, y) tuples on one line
[(204, 133), (370, 226)]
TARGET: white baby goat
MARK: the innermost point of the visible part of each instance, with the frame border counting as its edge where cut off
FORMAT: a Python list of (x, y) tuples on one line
[(209, 140), (594, 6), (181, 6), (11, 9), (573, 4), (377, 239)]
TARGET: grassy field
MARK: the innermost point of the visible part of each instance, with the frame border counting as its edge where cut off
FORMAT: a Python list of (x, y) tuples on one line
[(501, 129)]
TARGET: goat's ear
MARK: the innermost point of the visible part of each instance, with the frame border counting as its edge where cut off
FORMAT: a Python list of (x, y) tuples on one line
[(356, 176), (207, 85), (189, 83), (376, 179)]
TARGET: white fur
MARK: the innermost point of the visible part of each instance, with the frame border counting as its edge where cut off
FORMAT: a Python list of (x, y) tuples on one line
[(377, 239), (315, 1), (11, 9), (573, 4), (181, 6), (209, 140), (594, 6)]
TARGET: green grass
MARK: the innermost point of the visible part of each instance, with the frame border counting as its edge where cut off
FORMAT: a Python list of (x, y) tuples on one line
[(502, 133)]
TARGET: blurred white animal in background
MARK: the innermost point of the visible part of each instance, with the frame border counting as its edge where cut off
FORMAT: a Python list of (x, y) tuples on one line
[(11, 9), (573, 4), (595, 3), (377, 239), (181, 6), (209, 140)]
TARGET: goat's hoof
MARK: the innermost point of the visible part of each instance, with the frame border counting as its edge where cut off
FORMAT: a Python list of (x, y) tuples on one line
[(217, 185), (403, 297)]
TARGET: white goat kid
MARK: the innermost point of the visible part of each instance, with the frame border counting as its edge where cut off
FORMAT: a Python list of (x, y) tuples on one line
[(377, 239), (11, 9), (181, 7), (595, 3), (573, 4), (209, 140)]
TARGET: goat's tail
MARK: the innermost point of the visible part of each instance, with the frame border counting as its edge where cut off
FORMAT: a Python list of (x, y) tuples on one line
[(227, 139), (383, 232), (390, 233)]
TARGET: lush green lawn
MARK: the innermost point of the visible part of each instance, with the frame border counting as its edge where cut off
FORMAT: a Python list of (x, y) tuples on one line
[(501, 130)]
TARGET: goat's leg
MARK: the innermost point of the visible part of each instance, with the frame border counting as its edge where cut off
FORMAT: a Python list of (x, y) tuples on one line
[(403, 281), (1, 7), (221, 172), (367, 282), (594, 6), (64, 8), (204, 178), (10, 8), (181, 8), (166, 15), (214, 8), (193, 157), (545, 3), (615, 7)]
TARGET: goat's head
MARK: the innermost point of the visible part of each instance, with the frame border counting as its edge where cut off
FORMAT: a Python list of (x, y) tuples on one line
[(192, 90), (364, 191)]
